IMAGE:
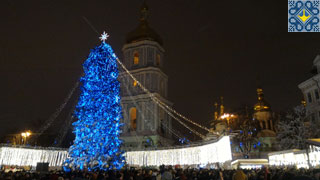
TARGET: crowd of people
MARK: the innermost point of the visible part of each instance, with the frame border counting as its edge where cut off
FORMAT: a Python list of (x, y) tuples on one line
[(168, 173)]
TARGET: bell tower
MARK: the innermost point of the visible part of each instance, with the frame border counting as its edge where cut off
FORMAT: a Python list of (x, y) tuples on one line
[(262, 112), (146, 124)]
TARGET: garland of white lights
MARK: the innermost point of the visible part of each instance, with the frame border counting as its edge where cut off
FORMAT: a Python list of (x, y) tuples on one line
[(161, 104), (136, 105), (194, 131), (171, 130), (183, 117), (159, 101), (165, 107), (155, 99), (148, 109), (62, 134), (205, 153), (49, 121)]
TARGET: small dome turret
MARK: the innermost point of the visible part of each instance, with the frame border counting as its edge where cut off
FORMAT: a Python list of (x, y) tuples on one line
[(262, 104)]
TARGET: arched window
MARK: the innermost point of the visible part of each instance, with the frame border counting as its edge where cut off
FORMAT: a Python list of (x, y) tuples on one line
[(136, 58), (133, 119), (158, 60)]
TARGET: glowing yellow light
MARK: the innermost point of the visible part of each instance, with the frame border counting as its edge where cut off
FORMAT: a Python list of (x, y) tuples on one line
[(136, 58), (227, 116), (23, 134), (134, 83)]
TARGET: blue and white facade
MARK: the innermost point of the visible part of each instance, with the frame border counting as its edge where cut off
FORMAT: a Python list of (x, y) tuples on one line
[(311, 92)]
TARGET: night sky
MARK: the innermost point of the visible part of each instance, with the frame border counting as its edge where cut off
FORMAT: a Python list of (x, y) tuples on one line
[(213, 48)]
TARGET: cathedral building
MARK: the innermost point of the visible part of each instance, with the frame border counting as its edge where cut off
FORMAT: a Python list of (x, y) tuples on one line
[(263, 113), (222, 122), (238, 123), (146, 125), (310, 90), (265, 117)]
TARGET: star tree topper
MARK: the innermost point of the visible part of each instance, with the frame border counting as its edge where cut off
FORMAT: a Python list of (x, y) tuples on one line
[(104, 36)]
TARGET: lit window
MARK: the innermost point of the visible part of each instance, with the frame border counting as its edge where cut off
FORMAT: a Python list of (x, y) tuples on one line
[(158, 60), (133, 119), (134, 83), (136, 58)]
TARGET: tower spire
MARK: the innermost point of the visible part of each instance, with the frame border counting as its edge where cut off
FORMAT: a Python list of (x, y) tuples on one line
[(260, 93), (143, 31), (144, 12), (259, 88), (216, 111), (221, 106), (262, 104)]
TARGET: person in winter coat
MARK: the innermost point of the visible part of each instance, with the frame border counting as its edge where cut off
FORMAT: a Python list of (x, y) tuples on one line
[(167, 175), (239, 175)]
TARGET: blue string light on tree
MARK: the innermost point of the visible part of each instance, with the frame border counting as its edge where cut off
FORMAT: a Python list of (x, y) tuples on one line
[(184, 140), (98, 113)]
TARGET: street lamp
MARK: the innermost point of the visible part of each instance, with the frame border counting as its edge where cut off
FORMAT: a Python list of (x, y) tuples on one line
[(25, 135)]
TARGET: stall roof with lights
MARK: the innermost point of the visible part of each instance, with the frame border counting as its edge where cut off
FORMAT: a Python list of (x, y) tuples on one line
[(315, 142)]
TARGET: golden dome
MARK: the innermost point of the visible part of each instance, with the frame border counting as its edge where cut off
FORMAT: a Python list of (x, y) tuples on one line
[(143, 31), (262, 104)]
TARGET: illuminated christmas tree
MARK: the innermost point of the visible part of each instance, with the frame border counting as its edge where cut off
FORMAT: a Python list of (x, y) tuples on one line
[(98, 113)]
